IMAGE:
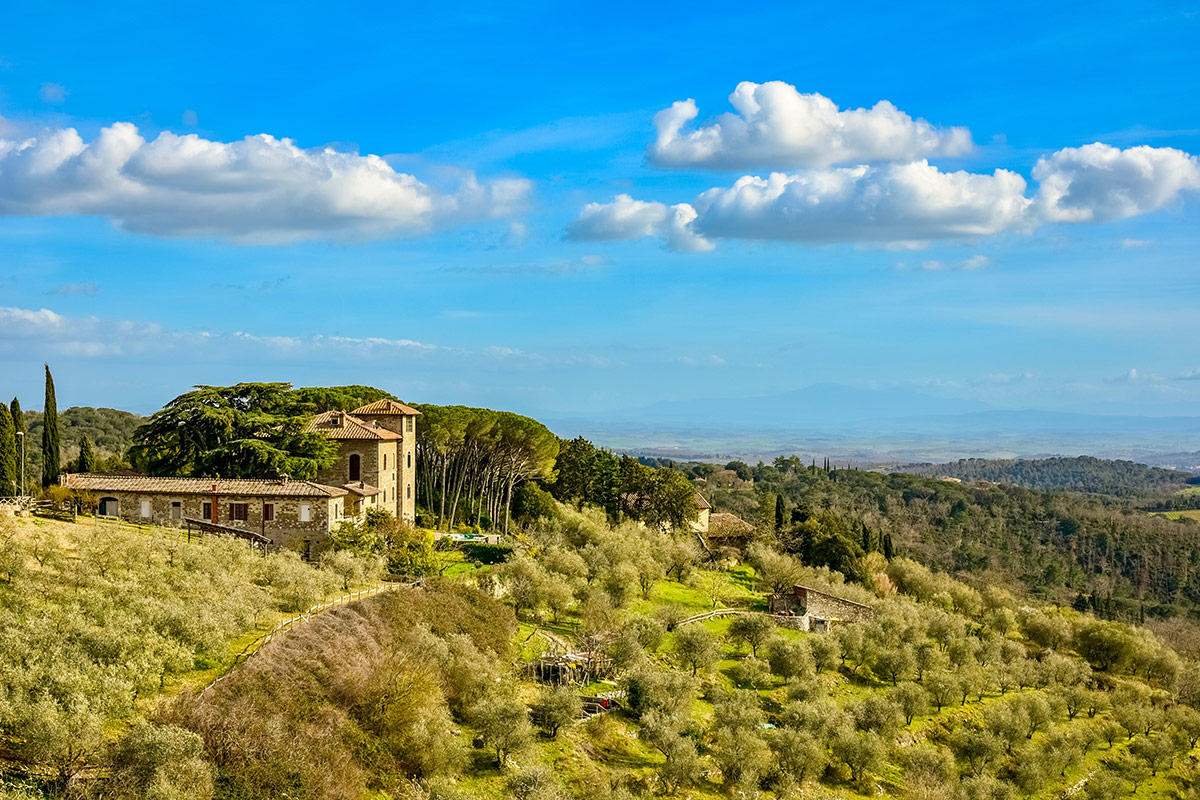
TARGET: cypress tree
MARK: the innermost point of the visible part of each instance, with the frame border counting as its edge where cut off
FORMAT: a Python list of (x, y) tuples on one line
[(87, 457), (8, 454), (51, 466), (778, 512), (888, 550), (18, 421)]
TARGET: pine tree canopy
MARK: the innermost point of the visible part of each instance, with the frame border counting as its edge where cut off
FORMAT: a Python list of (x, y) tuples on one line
[(241, 431)]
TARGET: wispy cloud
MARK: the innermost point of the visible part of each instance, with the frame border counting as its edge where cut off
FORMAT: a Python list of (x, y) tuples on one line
[(53, 93), (47, 333), (85, 289), (934, 265)]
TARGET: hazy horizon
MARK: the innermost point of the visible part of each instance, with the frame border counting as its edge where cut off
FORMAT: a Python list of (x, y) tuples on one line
[(984, 210)]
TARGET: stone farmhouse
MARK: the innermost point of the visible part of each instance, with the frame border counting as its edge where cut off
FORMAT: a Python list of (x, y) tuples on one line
[(814, 610), (375, 469)]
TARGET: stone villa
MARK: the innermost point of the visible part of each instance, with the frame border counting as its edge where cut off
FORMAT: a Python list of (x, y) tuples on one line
[(375, 468)]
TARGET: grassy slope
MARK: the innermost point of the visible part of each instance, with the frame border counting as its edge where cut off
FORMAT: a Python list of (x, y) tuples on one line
[(206, 669)]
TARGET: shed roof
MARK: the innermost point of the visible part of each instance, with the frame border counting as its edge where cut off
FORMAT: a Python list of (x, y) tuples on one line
[(386, 407), (723, 524), (146, 484), (361, 489), (341, 426)]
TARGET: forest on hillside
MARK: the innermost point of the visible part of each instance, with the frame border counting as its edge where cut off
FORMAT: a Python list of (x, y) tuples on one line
[(1072, 474), (1065, 548), (110, 432)]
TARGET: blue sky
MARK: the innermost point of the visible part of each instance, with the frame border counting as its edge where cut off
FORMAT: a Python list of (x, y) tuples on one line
[(486, 256)]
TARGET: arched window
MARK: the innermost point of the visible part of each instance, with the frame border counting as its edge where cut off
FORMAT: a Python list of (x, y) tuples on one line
[(355, 468)]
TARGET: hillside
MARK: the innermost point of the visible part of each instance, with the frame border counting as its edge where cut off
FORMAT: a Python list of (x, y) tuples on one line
[(99, 620), (110, 430), (946, 692), (1064, 548), (1077, 474)]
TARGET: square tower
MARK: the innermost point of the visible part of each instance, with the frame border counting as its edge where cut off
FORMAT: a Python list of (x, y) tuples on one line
[(402, 420), (368, 463)]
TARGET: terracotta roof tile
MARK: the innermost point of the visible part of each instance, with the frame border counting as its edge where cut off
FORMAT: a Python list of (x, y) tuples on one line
[(386, 407), (342, 426), (702, 503), (92, 482), (723, 524), (361, 489)]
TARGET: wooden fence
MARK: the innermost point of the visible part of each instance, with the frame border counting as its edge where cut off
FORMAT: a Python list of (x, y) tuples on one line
[(304, 616), (720, 612), (16, 503)]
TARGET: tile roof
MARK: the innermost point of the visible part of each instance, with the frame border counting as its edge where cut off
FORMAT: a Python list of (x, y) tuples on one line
[(361, 489), (386, 407), (342, 426), (723, 524), (702, 503), (92, 482)]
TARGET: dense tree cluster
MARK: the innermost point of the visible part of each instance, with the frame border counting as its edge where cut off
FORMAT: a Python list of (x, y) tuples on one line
[(241, 431), (625, 487), (1072, 474), (472, 460), (109, 431)]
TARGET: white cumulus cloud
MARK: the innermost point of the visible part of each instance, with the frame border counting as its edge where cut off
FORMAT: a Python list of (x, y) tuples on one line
[(257, 190), (1099, 183), (626, 218), (905, 205), (777, 126), (896, 202)]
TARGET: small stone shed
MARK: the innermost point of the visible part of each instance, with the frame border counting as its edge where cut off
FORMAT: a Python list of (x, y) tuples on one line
[(814, 610)]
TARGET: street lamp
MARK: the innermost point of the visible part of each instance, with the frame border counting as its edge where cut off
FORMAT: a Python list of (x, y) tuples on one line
[(22, 435)]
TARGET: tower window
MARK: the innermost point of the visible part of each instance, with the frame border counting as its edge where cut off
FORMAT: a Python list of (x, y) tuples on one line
[(355, 467)]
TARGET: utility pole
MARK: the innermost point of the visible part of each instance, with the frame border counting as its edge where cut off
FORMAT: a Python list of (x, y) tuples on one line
[(22, 435)]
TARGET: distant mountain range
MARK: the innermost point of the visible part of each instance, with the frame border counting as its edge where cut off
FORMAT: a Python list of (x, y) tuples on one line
[(873, 425)]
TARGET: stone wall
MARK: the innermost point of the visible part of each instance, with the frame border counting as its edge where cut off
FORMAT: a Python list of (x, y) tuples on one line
[(372, 454), (804, 603), (826, 606)]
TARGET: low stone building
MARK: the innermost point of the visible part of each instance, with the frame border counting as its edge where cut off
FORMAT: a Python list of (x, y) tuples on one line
[(296, 514), (814, 610)]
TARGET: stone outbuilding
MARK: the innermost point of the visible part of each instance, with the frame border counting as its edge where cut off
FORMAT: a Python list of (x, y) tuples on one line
[(814, 610)]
